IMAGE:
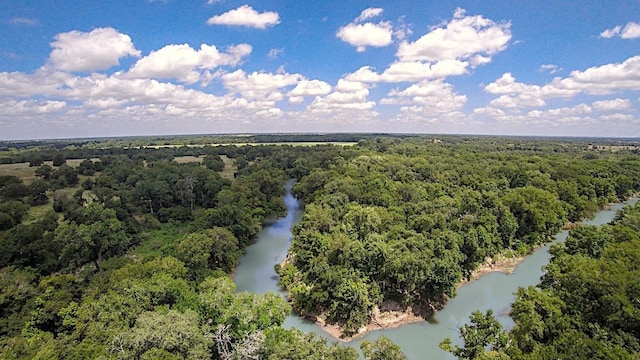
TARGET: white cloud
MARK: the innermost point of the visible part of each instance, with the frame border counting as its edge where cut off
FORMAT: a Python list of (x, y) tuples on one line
[(98, 49), (448, 50), (417, 71), (364, 74), (272, 112), (368, 14), (577, 115), (629, 31), (605, 79), (211, 2), (245, 15), (519, 101), (308, 88), (274, 53), (428, 98), (612, 105), (26, 85), (551, 68), (507, 85), (462, 38), (259, 86), (361, 34), (609, 33), (31, 107), (616, 117), (347, 95), (184, 63)]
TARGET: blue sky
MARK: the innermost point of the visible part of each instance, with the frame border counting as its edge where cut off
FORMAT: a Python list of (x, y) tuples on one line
[(141, 67)]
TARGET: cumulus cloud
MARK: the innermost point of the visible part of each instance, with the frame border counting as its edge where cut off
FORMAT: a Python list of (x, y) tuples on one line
[(449, 49), (347, 95), (417, 70), (186, 64), (362, 34), (98, 49), (605, 79), (26, 85), (365, 74), (460, 39), (598, 80), (308, 88), (582, 114), (612, 105), (31, 107), (630, 31), (260, 86), (427, 97), (245, 15), (369, 13)]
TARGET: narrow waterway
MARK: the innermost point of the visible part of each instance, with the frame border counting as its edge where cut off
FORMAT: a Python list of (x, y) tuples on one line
[(419, 340)]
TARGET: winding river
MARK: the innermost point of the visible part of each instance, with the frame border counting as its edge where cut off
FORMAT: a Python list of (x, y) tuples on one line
[(418, 340)]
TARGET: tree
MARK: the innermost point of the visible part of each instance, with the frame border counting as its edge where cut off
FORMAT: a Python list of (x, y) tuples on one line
[(484, 332), (86, 167), (44, 171), (213, 162), (59, 159), (215, 248), (382, 349), (173, 332), (38, 192), (98, 235)]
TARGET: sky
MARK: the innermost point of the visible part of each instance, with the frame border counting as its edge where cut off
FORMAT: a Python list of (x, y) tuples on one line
[(73, 69)]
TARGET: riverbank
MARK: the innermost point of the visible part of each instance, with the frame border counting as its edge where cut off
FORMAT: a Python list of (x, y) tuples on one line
[(390, 314), (387, 315)]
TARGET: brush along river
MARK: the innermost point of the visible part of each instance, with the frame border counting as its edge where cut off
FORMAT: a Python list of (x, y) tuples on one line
[(418, 340)]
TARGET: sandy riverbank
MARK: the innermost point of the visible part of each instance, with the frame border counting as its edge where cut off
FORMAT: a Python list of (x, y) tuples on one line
[(391, 315)]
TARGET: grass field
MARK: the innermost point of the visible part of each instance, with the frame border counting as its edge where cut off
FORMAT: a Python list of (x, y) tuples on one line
[(22, 171), (27, 174), (187, 159), (229, 168)]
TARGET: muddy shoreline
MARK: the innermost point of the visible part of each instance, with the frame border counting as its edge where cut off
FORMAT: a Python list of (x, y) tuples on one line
[(391, 315)]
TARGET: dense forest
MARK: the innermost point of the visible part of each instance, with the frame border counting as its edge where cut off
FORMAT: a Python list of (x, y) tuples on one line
[(586, 306), (126, 253), (124, 248), (407, 221)]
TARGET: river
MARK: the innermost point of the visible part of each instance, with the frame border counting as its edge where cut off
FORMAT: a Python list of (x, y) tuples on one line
[(419, 340)]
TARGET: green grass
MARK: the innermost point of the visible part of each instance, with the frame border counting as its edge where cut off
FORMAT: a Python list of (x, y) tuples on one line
[(187, 159), (156, 239), (21, 170), (229, 168)]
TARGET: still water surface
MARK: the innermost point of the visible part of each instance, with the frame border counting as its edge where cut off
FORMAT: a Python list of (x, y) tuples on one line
[(419, 340)]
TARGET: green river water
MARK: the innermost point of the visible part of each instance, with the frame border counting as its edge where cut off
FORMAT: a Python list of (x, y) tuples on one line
[(418, 340)]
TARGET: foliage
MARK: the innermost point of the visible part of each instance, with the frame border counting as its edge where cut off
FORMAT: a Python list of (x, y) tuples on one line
[(146, 243), (585, 306)]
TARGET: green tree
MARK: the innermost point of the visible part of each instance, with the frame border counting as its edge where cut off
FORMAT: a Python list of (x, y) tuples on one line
[(59, 158), (173, 332), (381, 349), (213, 162), (98, 235), (44, 171), (484, 332)]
